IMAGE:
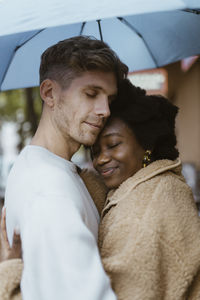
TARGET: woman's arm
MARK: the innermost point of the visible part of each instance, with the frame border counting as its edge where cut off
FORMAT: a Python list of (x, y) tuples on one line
[(7, 252), (95, 187), (10, 264)]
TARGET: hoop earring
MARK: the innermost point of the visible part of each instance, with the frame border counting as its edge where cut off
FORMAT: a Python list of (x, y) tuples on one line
[(147, 158)]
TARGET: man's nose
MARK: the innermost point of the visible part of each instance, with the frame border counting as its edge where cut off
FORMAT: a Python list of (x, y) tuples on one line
[(102, 107)]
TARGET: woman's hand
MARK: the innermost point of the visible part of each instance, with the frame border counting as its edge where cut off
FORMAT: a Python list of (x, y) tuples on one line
[(7, 252)]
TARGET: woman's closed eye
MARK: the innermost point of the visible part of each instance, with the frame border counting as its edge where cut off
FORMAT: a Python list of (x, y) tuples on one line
[(95, 151), (114, 145)]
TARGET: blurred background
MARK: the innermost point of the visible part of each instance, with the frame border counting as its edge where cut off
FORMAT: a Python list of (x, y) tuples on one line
[(20, 111)]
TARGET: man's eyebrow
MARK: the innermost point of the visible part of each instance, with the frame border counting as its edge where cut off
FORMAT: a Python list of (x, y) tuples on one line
[(90, 86), (96, 87)]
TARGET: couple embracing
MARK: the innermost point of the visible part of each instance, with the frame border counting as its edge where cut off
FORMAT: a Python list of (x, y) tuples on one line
[(129, 231)]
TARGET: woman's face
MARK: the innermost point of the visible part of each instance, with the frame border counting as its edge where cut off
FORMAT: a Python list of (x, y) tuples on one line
[(116, 153)]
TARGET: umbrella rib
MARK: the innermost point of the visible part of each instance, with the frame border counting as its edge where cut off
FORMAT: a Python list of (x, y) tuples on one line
[(4, 75), (82, 27), (28, 40), (140, 35), (192, 11), (100, 31), (18, 47)]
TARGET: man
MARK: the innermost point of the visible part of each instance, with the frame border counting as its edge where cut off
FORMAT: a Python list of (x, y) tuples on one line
[(45, 197)]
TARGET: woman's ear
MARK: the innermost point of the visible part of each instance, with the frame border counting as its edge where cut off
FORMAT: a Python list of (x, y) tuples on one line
[(47, 88)]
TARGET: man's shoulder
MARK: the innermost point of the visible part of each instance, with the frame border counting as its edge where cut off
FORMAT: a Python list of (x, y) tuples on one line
[(38, 171), (35, 159), (27, 158), (35, 177)]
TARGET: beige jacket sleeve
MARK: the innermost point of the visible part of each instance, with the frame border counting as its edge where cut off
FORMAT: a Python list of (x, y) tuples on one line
[(96, 187), (151, 250), (10, 278)]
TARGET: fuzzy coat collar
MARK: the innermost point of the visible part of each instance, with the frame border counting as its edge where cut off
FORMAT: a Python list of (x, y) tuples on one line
[(155, 168)]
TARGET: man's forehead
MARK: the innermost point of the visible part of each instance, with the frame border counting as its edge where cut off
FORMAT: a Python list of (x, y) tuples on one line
[(103, 81), (97, 76)]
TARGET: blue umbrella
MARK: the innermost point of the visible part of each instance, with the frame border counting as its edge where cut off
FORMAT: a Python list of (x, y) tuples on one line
[(147, 34)]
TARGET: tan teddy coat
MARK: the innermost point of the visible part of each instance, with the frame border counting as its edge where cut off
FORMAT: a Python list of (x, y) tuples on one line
[(149, 237), (10, 277)]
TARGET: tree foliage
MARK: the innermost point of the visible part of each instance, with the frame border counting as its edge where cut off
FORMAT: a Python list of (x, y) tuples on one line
[(23, 107)]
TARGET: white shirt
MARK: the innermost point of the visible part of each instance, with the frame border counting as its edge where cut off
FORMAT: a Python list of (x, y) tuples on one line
[(58, 222)]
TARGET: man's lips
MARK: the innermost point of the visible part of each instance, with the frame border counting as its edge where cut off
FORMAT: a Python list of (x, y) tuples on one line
[(94, 125), (106, 172)]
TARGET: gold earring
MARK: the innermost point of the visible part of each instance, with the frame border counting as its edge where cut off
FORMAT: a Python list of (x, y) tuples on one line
[(147, 158)]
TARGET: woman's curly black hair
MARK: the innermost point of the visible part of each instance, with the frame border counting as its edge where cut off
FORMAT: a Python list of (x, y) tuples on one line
[(151, 118)]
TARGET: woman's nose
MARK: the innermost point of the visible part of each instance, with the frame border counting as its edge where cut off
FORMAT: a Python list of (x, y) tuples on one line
[(103, 158)]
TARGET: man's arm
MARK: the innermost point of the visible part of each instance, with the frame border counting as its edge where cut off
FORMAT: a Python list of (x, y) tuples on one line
[(61, 258)]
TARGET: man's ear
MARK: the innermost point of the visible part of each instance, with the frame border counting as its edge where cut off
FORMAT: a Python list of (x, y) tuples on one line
[(47, 92)]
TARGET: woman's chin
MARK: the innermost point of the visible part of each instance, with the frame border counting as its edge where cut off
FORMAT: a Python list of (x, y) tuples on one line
[(112, 183)]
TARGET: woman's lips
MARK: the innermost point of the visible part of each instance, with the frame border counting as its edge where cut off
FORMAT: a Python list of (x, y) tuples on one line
[(108, 171)]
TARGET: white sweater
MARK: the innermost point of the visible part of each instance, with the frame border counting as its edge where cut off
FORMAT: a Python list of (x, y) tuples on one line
[(58, 222)]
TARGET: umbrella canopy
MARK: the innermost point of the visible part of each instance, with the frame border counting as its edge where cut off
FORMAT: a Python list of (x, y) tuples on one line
[(144, 35), (25, 15)]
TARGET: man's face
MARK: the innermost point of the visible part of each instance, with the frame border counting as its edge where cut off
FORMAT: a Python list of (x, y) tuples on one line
[(81, 110)]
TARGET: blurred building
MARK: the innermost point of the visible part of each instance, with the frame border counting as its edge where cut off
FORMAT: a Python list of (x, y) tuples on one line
[(184, 90), (153, 81), (180, 82)]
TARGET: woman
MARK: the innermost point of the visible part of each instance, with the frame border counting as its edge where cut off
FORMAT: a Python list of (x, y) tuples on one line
[(149, 236)]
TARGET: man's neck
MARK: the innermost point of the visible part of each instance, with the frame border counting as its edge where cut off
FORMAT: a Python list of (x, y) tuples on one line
[(47, 137)]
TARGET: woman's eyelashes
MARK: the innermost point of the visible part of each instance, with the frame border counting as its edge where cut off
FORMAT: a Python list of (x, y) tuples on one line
[(113, 145), (96, 151)]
